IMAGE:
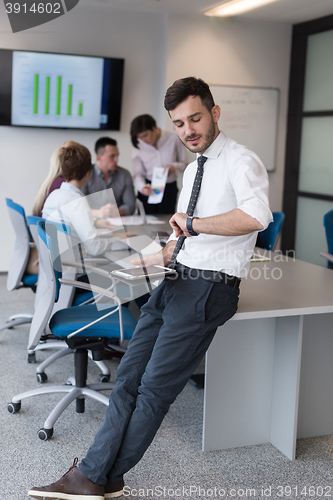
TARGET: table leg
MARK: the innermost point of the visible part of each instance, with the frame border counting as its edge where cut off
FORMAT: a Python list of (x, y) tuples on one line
[(286, 381), (251, 384), (316, 389)]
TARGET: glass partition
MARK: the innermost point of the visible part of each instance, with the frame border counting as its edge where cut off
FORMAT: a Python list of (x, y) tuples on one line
[(318, 95), (316, 158), (310, 232)]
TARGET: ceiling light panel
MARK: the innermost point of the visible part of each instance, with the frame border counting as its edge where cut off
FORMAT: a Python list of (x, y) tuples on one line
[(236, 7)]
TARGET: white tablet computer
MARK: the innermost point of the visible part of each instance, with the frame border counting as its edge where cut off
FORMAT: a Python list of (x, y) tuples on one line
[(136, 273)]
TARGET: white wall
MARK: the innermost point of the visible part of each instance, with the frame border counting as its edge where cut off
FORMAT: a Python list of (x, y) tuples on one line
[(235, 52), (140, 38), (157, 49)]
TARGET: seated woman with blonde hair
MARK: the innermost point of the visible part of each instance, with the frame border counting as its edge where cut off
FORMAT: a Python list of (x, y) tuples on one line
[(68, 204), (54, 180)]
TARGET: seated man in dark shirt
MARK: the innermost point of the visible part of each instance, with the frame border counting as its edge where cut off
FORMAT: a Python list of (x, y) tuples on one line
[(107, 174)]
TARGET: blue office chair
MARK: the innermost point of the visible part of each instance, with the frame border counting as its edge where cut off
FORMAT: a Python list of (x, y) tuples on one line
[(67, 297), (268, 238), (328, 224), (82, 327), (17, 277), (39, 338)]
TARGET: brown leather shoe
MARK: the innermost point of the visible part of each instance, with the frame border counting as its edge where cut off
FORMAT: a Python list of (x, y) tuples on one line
[(73, 485), (113, 490)]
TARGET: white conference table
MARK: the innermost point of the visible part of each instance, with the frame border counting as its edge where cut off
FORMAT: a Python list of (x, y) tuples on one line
[(269, 370), (142, 238)]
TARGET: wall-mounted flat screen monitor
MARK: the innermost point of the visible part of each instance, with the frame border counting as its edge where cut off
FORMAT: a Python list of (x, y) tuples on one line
[(39, 89)]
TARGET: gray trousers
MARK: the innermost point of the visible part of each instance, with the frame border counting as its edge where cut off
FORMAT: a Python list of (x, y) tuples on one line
[(174, 331)]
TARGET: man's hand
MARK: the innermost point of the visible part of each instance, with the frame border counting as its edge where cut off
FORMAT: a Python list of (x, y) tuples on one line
[(161, 259), (178, 224), (147, 190), (106, 211), (103, 224), (149, 260), (123, 236)]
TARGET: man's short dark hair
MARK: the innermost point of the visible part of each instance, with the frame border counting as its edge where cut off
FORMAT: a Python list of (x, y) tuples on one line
[(141, 124), (75, 162), (102, 142), (186, 87)]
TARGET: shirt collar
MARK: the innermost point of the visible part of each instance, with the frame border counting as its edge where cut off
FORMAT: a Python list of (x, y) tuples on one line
[(143, 146), (99, 172), (216, 147), (66, 186)]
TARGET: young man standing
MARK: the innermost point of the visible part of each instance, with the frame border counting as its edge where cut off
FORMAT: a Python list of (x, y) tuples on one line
[(222, 206)]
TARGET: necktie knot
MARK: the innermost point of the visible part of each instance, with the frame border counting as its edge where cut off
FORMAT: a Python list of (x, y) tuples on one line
[(201, 160)]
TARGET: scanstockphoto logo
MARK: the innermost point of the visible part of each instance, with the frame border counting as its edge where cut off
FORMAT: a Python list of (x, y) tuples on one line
[(27, 14)]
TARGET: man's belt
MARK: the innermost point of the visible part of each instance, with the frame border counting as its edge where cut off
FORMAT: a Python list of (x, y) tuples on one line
[(216, 276)]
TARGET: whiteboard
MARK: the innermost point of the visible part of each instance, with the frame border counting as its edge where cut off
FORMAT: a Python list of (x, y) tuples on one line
[(249, 115)]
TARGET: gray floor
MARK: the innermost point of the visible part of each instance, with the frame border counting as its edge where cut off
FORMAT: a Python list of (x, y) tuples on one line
[(173, 467)]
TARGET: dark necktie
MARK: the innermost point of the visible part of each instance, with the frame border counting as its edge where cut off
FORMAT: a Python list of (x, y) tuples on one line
[(191, 206)]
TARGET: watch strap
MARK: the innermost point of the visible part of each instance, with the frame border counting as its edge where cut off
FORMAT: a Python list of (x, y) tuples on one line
[(189, 228)]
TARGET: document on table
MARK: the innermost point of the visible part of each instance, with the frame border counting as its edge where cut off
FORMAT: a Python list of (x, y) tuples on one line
[(257, 257), (158, 183), (133, 220)]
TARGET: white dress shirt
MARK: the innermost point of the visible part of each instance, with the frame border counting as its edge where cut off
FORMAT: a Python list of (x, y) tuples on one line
[(234, 177), (145, 157), (68, 204)]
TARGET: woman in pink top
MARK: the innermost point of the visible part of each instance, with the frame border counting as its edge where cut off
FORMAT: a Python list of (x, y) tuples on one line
[(154, 147)]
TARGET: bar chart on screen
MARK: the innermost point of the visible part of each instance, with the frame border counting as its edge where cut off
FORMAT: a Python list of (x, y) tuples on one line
[(56, 90)]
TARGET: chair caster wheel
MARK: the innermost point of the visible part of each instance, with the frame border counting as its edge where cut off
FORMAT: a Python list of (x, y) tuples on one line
[(45, 434), (14, 407), (32, 357), (41, 377), (103, 378)]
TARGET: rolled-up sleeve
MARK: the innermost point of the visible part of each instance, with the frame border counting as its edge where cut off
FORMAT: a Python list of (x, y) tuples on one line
[(249, 180)]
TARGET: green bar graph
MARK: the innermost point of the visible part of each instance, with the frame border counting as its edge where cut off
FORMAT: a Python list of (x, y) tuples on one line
[(48, 85), (58, 101), (47, 95), (36, 79), (69, 99)]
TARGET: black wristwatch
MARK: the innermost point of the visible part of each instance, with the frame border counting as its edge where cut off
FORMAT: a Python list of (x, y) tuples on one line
[(189, 227)]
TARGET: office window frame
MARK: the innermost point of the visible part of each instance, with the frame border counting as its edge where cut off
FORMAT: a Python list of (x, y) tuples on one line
[(300, 35)]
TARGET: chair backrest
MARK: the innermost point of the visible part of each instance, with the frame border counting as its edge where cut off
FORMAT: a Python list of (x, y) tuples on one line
[(269, 236), (21, 252), (50, 293), (328, 224), (50, 264), (32, 225), (65, 247), (41, 285)]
